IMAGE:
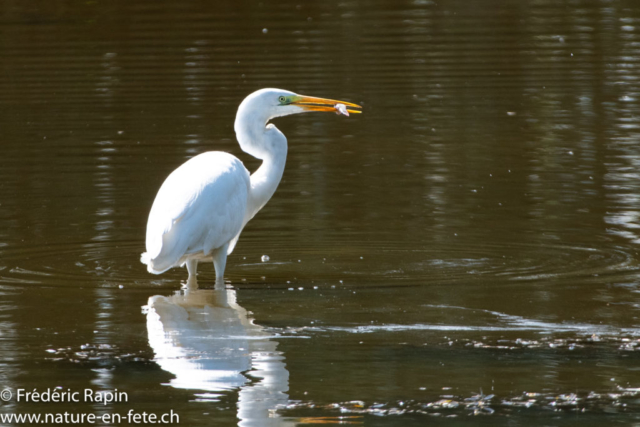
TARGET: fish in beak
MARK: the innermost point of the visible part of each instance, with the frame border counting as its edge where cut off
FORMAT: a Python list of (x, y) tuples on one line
[(310, 103)]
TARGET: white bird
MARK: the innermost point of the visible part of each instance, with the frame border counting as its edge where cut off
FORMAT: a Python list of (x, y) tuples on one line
[(203, 205)]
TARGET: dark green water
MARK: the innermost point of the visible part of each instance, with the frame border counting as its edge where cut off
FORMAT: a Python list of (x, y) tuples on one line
[(463, 253)]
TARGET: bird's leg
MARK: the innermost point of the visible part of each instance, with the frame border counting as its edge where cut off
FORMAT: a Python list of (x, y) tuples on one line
[(192, 267), (220, 262)]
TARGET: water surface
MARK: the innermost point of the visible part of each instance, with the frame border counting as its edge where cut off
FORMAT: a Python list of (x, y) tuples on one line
[(464, 252)]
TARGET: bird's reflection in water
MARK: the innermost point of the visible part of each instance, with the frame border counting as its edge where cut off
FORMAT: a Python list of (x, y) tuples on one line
[(205, 339)]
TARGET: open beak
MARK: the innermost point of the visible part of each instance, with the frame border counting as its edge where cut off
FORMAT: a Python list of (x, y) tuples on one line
[(311, 103)]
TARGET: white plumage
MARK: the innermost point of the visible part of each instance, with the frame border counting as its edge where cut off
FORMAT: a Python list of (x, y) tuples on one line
[(202, 206)]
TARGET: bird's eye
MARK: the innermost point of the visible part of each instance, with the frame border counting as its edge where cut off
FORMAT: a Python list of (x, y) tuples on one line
[(282, 99)]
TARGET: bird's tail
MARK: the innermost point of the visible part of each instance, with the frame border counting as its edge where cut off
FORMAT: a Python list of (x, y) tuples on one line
[(146, 259)]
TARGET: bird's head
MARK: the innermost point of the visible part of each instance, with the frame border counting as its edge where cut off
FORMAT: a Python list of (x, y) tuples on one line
[(266, 104)]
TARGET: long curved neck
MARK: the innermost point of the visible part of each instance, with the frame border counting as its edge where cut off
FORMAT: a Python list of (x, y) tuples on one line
[(265, 180), (270, 145)]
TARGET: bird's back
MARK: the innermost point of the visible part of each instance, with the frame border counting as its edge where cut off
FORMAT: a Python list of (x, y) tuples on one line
[(200, 207)]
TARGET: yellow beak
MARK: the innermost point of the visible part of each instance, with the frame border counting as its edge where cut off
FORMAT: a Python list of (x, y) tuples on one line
[(311, 103)]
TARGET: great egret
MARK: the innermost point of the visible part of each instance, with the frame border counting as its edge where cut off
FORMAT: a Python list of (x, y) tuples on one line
[(203, 205)]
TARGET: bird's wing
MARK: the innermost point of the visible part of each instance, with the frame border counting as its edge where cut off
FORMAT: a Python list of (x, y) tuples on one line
[(200, 207)]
